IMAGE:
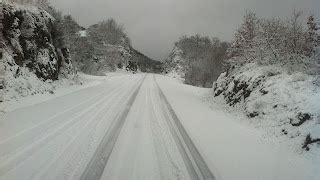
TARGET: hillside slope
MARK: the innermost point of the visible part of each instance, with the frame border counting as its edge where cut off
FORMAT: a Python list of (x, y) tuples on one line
[(144, 63), (103, 47), (283, 105)]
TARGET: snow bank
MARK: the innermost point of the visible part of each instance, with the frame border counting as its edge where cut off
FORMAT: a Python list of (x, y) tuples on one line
[(285, 106), (49, 91), (23, 88)]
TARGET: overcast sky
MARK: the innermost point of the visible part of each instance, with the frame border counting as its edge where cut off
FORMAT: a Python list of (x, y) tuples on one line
[(154, 25)]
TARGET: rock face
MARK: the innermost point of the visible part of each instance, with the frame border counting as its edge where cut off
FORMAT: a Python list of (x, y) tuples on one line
[(34, 41), (237, 89)]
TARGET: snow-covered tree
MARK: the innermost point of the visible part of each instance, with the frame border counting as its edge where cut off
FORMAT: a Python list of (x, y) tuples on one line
[(199, 58), (107, 32), (312, 36), (244, 38), (271, 41), (313, 44), (274, 41), (295, 34)]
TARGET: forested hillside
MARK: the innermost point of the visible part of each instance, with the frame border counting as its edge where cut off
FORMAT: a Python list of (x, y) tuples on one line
[(144, 63), (102, 47)]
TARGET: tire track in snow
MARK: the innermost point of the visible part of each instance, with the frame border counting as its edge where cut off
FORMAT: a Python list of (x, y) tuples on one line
[(197, 167), (20, 155), (98, 162), (168, 161), (134, 148), (72, 171), (26, 136)]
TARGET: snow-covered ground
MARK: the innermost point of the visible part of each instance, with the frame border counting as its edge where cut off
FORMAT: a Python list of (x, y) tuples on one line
[(232, 148), (140, 126), (17, 97), (283, 106), (55, 139)]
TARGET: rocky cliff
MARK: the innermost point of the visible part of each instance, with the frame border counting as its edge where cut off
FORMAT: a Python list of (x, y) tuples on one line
[(35, 41)]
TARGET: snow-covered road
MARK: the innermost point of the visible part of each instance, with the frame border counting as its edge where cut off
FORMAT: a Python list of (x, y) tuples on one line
[(152, 144), (122, 129), (141, 127)]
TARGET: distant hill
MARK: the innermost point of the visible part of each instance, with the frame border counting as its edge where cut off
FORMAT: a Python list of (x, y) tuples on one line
[(146, 64), (103, 47)]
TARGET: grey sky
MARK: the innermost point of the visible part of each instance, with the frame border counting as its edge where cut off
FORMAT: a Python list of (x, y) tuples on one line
[(154, 25)]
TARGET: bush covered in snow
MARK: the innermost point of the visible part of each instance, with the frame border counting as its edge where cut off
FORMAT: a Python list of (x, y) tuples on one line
[(273, 76)]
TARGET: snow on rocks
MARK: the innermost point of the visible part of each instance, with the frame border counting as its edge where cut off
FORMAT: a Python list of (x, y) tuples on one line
[(32, 36), (23, 88), (34, 61), (286, 106)]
